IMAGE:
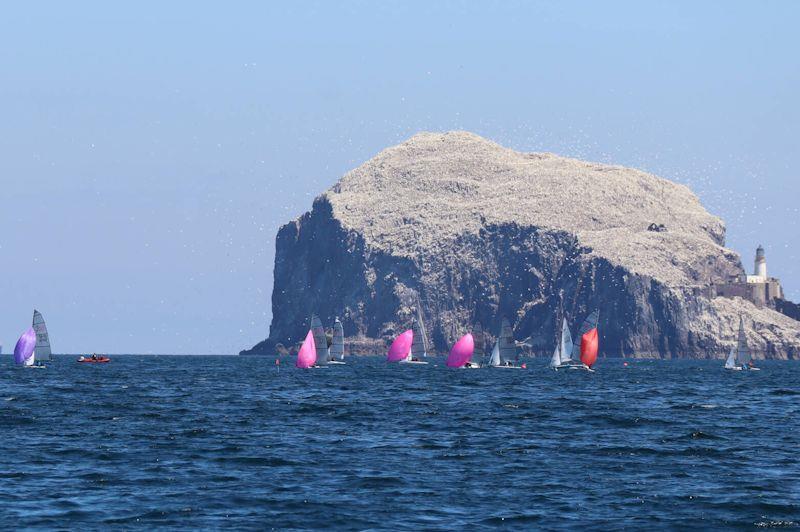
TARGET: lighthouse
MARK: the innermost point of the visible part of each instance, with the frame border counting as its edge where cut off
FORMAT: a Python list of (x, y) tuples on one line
[(760, 268)]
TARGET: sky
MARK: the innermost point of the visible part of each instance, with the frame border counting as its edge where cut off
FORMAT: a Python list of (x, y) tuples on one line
[(149, 151)]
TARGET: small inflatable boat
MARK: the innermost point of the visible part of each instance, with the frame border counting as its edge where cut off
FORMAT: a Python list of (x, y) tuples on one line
[(94, 360)]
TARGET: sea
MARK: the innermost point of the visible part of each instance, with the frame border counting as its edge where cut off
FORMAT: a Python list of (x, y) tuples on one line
[(241, 443)]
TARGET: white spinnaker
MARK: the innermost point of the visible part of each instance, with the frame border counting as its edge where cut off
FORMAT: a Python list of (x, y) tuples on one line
[(320, 340), (337, 348), (42, 348)]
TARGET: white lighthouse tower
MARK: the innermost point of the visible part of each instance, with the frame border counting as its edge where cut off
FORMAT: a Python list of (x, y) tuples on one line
[(760, 269)]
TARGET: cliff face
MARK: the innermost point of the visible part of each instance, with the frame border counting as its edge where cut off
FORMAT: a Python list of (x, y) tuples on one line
[(477, 231)]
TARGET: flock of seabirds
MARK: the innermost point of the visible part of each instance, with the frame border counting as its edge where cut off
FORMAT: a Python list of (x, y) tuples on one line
[(410, 347)]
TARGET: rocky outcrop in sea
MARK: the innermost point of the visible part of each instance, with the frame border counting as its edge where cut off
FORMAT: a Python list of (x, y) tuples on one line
[(475, 231)]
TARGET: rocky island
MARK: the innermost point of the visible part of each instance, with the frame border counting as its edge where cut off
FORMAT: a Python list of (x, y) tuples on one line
[(470, 231)]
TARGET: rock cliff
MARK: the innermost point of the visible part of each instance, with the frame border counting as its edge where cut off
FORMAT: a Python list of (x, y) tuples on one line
[(474, 231)]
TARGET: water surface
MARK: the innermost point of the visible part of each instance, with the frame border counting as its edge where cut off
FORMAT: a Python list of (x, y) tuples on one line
[(209, 442)]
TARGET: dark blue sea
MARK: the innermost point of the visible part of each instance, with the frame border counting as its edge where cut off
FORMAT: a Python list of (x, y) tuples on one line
[(237, 443)]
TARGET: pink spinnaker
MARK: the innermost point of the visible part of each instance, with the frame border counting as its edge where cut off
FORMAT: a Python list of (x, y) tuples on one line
[(401, 347), (307, 356), (461, 352)]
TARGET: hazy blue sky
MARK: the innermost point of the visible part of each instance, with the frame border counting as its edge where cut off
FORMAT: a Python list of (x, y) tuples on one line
[(149, 152)]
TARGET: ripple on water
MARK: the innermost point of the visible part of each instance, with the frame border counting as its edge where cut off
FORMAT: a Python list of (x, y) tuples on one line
[(216, 442)]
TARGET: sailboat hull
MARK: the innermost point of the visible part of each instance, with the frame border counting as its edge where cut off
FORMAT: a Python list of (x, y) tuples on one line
[(583, 367), (336, 363), (416, 362)]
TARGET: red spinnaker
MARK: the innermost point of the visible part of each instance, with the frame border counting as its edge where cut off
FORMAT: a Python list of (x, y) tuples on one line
[(589, 347)]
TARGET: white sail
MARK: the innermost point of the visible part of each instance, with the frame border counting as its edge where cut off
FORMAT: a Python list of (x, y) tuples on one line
[(730, 362), (506, 345), (42, 348), (556, 360), (419, 345), (742, 351), (566, 343), (477, 337), (320, 340), (420, 331), (495, 358), (337, 348)]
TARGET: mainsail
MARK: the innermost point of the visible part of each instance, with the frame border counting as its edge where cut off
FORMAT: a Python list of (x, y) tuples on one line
[(565, 347), (419, 348), (507, 348), (42, 349), (320, 340), (477, 335), (494, 360), (421, 345), (337, 348), (742, 351)]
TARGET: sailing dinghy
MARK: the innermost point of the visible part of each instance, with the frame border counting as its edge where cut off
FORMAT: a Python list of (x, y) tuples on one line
[(740, 358), (461, 353), (24, 350), (337, 347), (581, 355), (505, 349)]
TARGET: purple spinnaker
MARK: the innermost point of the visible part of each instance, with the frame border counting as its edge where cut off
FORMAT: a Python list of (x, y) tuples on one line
[(307, 355), (25, 345), (461, 352), (401, 347)]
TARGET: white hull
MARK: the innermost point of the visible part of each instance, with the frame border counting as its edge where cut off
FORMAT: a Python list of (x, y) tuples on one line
[(583, 367), (505, 367), (417, 362), (336, 363), (740, 368)]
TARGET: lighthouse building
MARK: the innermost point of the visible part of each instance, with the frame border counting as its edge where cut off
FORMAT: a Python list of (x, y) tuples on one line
[(758, 288)]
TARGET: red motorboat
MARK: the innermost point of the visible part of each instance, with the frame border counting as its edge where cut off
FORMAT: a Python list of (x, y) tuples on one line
[(94, 359)]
